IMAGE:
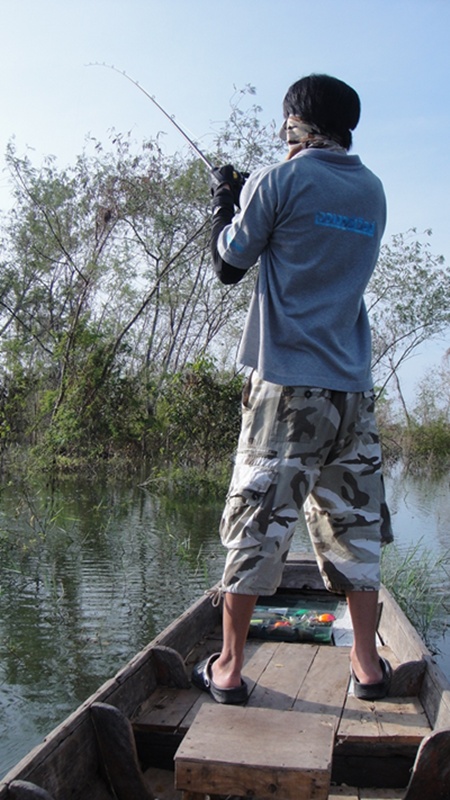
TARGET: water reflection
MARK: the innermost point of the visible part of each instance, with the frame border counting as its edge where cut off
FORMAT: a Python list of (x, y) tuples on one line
[(420, 508), (92, 571)]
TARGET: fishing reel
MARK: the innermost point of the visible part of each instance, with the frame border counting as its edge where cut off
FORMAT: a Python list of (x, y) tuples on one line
[(227, 176)]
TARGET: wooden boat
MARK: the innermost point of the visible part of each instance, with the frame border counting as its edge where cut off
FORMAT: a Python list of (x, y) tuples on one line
[(147, 733)]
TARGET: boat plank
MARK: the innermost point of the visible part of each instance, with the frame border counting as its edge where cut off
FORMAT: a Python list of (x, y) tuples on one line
[(23, 790), (329, 669), (397, 632), (392, 720), (61, 760), (281, 679), (353, 793), (301, 572), (358, 721), (403, 720), (435, 696), (119, 756), (165, 710)]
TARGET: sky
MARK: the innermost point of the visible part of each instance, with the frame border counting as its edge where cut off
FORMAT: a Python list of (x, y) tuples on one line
[(191, 55)]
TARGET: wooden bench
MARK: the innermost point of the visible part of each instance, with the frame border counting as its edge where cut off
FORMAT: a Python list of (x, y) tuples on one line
[(256, 751)]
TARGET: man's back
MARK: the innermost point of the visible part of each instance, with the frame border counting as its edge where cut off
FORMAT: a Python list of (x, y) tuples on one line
[(316, 223)]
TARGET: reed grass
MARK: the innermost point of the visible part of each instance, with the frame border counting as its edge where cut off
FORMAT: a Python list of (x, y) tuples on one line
[(415, 576)]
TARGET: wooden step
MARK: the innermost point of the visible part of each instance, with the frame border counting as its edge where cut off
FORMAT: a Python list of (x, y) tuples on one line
[(256, 751)]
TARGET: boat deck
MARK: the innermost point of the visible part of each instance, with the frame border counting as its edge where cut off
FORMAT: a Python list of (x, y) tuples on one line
[(312, 680)]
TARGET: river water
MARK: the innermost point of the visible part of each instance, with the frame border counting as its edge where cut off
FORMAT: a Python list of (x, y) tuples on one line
[(90, 572)]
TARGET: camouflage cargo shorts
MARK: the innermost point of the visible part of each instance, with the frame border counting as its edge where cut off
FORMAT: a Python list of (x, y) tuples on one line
[(302, 447)]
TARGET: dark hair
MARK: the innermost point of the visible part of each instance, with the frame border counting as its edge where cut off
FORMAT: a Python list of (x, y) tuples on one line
[(330, 104)]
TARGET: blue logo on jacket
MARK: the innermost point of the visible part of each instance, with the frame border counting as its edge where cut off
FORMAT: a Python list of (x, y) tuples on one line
[(353, 224)]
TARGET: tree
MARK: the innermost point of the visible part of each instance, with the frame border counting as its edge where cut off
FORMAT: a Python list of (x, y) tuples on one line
[(408, 301), (106, 286), (198, 413)]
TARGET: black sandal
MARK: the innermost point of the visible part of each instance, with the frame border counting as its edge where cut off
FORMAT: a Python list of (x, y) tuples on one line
[(202, 679), (374, 691)]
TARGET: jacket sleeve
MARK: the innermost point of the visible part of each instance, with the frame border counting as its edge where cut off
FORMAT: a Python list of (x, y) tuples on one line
[(223, 213)]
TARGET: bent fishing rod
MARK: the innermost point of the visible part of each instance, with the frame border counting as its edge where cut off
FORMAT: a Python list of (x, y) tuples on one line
[(171, 119)]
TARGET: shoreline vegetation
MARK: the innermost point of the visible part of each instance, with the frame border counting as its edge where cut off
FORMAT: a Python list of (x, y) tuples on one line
[(181, 435)]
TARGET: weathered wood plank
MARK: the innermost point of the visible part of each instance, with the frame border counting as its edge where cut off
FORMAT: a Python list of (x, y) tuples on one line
[(324, 690), (257, 655), (358, 722), (407, 679), (170, 668), (403, 721), (282, 676), (435, 696), (166, 709), (259, 752), (365, 794), (301, 572), (397, 632), (389, 721), (56, 764)]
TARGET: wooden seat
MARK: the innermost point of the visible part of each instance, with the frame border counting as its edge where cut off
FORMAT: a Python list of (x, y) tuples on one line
[(256, 751)]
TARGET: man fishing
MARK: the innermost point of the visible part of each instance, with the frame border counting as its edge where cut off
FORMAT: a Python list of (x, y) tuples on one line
[(309, 437)]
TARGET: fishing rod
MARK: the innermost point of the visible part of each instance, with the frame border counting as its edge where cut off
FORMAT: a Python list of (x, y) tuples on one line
[(171, 119)]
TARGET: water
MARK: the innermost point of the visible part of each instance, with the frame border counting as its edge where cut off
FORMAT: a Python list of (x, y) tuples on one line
[(91, 572)]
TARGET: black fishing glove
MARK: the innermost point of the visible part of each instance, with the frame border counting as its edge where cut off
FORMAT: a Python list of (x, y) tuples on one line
[(227, 175)]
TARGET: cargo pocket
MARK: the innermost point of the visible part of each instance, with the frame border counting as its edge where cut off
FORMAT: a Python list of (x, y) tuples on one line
[(248, 507)]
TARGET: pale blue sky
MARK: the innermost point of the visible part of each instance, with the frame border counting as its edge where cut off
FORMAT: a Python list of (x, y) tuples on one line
[(191, 53)]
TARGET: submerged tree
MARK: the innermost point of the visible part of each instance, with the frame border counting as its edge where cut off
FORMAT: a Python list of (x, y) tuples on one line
[(408, 301), (106, 285)]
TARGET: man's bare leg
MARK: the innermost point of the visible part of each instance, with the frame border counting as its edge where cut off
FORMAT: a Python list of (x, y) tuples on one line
[(237, 613), (364, 657)]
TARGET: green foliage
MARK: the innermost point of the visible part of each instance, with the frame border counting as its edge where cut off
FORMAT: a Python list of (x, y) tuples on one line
[(198, 415), (424, 442), (428, 445)]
